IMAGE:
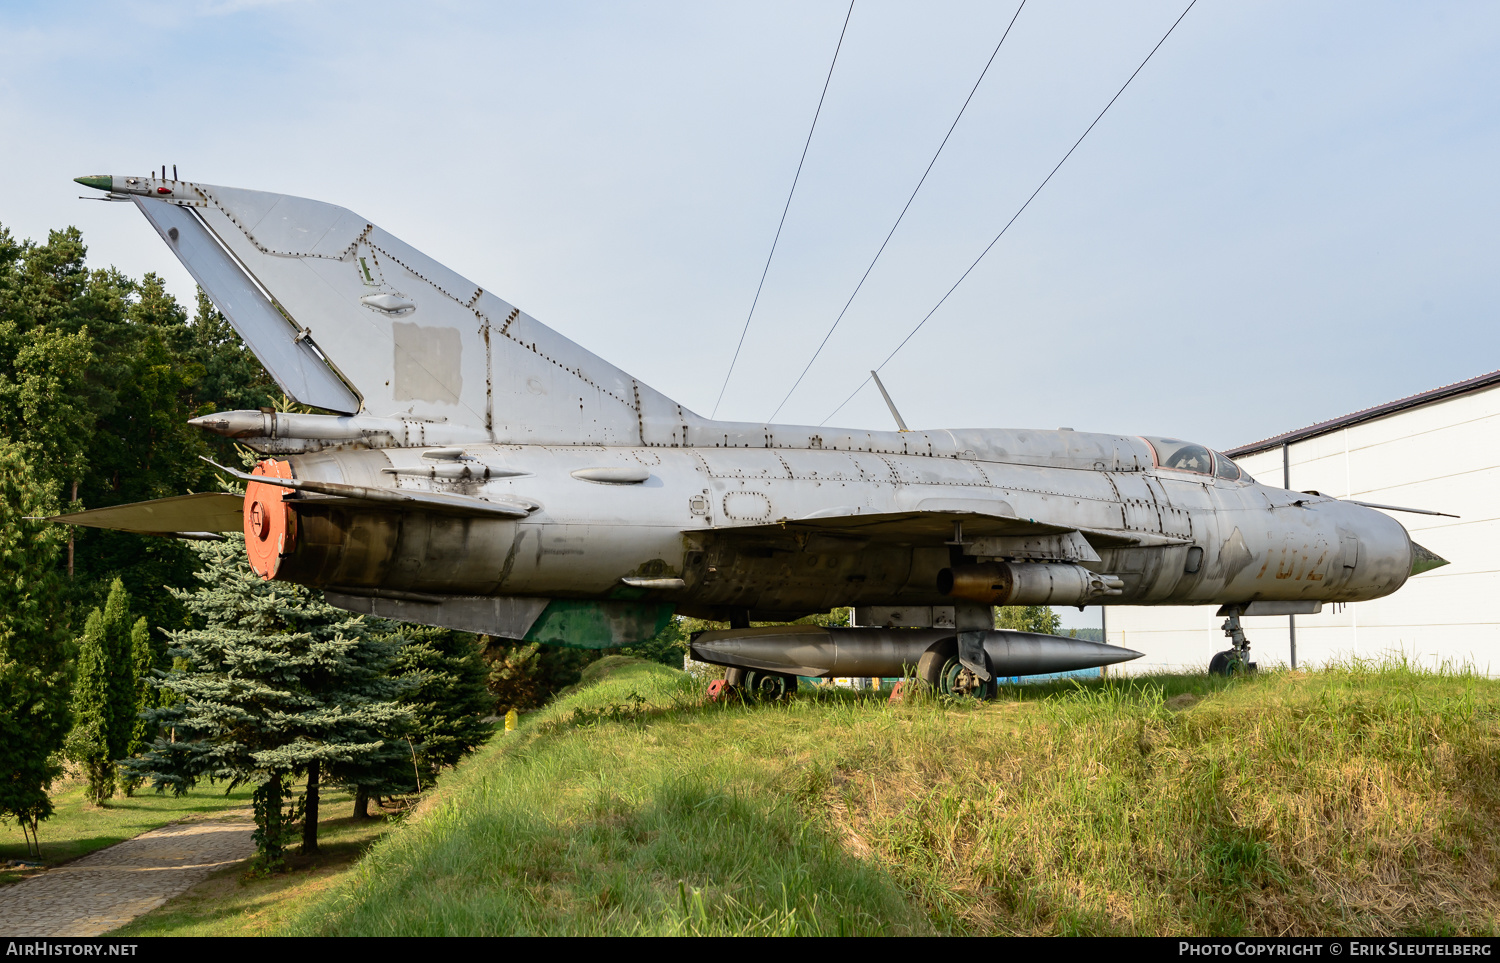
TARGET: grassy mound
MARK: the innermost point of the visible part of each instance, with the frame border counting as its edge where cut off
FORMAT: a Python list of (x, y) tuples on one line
[(603, 816), (1355, 800)]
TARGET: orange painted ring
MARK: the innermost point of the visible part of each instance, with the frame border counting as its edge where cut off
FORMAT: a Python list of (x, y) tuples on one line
[(270, 524)]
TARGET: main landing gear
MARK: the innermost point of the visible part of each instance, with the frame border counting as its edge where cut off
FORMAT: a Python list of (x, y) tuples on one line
[(974, 675), (753, 684), (1235, 660), (945, 673)]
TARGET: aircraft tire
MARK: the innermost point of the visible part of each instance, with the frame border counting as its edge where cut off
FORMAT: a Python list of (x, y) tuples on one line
[(769, 686), (930, 665), (1226, 663), (953, 679)]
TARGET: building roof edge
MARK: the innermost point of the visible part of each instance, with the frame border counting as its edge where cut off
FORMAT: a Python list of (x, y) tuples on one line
[(1367, 414)]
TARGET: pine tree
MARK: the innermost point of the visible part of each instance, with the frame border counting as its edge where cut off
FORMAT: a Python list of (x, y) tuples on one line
[(277, 684), (33, 678)]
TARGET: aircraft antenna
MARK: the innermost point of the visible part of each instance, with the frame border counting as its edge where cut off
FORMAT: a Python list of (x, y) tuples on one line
[(900, 425), (1013, 217), (899, 217), (782, 223)]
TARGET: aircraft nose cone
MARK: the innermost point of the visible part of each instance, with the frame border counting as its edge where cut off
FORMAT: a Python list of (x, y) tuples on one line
[(1425, 559), (99, 182)]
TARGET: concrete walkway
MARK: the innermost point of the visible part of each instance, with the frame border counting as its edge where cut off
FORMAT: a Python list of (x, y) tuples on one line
[(113, 886)]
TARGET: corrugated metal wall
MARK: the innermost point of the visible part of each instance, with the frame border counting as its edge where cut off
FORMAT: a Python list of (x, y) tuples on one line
[(1443, 456)]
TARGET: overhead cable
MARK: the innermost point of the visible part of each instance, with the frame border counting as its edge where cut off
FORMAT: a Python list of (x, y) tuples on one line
[(892, 231), (1013, 217), (795, 178)]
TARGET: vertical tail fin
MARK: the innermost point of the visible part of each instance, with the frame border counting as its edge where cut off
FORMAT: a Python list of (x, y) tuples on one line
[(350, 318)]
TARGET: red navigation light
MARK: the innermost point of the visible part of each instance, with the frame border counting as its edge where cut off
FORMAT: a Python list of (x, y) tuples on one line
[(163, 190)]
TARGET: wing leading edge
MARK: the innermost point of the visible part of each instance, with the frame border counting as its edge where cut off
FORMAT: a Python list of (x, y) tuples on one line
[(193, 514)]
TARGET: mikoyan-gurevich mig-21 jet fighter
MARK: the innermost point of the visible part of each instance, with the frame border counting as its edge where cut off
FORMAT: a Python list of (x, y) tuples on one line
[(481, 472)]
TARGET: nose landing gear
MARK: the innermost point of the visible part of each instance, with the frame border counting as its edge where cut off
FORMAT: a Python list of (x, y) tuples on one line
[(1235, 660)]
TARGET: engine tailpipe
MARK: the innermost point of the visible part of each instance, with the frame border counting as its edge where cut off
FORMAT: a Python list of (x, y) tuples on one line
[(819, 653)]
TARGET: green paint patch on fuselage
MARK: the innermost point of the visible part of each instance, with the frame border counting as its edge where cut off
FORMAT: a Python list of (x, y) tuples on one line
[(599, 625)]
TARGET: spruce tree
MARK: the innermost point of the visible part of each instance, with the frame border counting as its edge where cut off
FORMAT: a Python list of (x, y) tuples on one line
[(451, 699), (276, 684), (33, 678), (448, 704)]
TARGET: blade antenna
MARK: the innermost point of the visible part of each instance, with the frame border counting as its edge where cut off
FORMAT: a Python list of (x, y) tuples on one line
[(900, 425), (1013, 217), (822, 344), (782, 223)]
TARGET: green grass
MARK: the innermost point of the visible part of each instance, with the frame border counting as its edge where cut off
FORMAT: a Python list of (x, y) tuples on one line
[(577, 824), (1358, 800), (231, 904), (78, 828)]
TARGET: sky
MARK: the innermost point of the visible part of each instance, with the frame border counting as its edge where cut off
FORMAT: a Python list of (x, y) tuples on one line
[(1287, 216)]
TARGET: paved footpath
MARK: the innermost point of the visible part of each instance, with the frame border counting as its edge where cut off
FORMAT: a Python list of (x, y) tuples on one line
[(113, 886)]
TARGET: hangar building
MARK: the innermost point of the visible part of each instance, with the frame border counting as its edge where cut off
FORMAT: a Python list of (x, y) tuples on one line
[(1436, 450)]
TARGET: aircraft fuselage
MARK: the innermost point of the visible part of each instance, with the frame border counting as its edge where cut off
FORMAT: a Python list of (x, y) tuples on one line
[(709, 517)]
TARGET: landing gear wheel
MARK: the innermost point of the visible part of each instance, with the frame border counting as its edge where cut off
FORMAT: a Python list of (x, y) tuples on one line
[(940, 669), (957, 679), (769, 686), (930, 666), (1235, 661), (1228, 663), (732, 686)]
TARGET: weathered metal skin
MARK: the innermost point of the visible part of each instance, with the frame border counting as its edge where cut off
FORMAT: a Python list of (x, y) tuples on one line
[(686, 521), (482, 471)]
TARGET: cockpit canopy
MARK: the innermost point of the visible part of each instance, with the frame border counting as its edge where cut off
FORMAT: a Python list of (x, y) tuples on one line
[(1174, 454)]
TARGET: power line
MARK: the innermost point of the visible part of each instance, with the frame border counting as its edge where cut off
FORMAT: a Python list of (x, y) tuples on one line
[(795, 178), (1017, 214), (892, 231)]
